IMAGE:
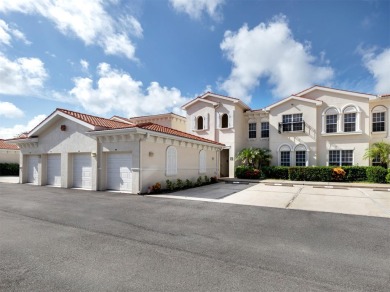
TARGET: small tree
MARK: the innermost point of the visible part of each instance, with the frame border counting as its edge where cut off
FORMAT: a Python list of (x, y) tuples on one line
[(254, 157), (379, 150)]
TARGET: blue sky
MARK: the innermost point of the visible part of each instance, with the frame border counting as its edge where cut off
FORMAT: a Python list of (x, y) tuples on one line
[(142, 57)]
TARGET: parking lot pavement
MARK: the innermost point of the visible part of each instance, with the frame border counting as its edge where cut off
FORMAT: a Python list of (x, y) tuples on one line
[(209, 192), (54, 239), (354, 201)]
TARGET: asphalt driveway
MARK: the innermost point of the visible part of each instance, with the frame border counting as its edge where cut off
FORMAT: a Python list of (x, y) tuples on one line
[(70, 240)]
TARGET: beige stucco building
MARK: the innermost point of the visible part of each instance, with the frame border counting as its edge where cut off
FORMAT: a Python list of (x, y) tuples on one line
[(318, 126), (9, 153)]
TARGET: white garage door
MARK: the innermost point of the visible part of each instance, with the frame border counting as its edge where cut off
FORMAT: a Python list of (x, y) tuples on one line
[(82, 171), (119, 176), (32, 169), (54, 170)]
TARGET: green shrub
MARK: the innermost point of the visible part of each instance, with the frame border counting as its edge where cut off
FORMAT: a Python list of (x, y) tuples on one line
[(188, 184), (296, 173), (9, 169), (355, 173), (240, 171), (170, 185), (213, 179), (319, 173), (388, 176), (279, 172), (247, 172), (179, 184), (206, 180), (199, 181), (376, 174)]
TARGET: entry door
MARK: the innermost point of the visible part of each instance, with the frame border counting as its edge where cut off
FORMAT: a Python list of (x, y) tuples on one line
[(119, 175), (54, 170), (32, 168), (82, 171)]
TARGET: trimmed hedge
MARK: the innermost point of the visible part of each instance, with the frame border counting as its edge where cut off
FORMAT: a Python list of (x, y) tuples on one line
[(9, 169), (247, 172), (376, 174)]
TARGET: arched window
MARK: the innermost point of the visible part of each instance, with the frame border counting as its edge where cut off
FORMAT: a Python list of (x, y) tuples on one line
[(300, 155), (225, 121), (202, 161), (171, 161), (284, 155), (199, 123), (351, 119), (331, 120), (379, 118)]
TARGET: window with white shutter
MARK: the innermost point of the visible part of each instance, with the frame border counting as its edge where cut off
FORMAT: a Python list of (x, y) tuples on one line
[(171, 161)]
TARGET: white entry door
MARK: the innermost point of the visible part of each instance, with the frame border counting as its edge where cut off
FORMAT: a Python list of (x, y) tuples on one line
[(119, 175), (82, 171), (32, 169), (54, 170)]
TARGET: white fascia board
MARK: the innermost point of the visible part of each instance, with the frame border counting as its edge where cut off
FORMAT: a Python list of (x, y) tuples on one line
[(23, 140), (169, 136), (333, 90), (316, 102), (234, 100), (199, 99), (112, 132), (48, 120)]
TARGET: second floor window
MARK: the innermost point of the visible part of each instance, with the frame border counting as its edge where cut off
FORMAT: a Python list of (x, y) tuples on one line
[(378, 122), (331, 123), (225, 121), (252, 130), (200, 123), (292, 123), (350, 122), (264, 129)]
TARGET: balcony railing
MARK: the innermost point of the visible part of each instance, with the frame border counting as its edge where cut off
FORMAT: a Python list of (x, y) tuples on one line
[(291, 127)]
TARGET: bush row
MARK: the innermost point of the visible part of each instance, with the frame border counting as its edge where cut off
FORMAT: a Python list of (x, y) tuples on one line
[(374, 174), (180, 184), (9, 169)]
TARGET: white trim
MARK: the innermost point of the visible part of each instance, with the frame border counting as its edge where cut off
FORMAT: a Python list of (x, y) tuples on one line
[(292, 97), (333, 90), (195, 100)]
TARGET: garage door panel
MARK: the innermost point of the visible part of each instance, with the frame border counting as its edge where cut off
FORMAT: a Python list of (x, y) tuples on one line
[(119, 175), (82, 171), (54, 170), (32, 169)]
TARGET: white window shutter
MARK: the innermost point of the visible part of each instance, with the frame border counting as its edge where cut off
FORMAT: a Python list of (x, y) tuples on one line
[(218, 118), (230, 116), (206, 122), (193, 123)]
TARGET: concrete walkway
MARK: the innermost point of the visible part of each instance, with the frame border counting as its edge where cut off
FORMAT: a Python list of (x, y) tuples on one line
[(9, 179)]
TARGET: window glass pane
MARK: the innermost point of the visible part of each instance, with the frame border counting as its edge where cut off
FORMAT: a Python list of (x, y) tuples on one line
[(225, 121), (331, 123), (350, 122), (334, 157), (200, 123), (285, 158), (376, 161), (252, 130), (378, 122), (292, 122), (265, 129), (346, 157), (300, 158)]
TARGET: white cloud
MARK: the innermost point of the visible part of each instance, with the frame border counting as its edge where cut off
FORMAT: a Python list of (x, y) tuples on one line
[(84, 65), (88, 20), (7, 133), (9, 110), (117, 90), (270, 51), (22, 76), (195, 8), (7, 32), (379, 66)]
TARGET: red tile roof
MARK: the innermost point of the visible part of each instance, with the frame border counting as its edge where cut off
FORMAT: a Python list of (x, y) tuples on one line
[(94, 120), (5, 145), (170, 131)]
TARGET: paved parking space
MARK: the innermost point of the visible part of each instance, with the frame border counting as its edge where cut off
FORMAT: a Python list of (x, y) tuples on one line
[(9, 179), (354, 201)]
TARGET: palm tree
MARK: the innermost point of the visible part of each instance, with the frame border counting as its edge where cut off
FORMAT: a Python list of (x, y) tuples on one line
[(254, 156), (264, 157), (380, 150)]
